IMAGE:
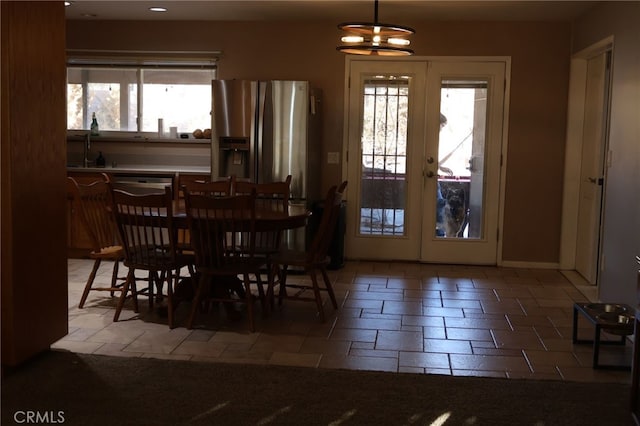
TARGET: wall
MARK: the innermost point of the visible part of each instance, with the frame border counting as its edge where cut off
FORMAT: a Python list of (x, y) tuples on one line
[(621, 228), (306, 50), (34, 263)]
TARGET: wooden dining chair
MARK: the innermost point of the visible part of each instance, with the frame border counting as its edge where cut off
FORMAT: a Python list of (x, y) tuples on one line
[(313, 260), (221, 187), (193, 184), (93, 208), (269, 196), (146, 229), (274, 195), (223, 238)]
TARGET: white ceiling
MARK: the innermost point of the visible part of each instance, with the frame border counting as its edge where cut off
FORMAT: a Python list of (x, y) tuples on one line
[(331, 10)]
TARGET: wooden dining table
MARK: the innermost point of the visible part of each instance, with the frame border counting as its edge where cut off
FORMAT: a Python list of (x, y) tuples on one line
[(296, 216)]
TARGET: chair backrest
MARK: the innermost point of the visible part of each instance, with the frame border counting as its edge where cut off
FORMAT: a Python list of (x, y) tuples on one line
[(322, 240), (145, 226), (272, 195), (201, 184), (93, 207), (86, 178), (216, 188), (222, 228)]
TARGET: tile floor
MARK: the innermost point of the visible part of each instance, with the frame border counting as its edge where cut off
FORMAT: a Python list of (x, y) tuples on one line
[(398, 317)]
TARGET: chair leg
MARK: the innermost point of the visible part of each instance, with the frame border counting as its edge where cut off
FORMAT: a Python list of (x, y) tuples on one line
[(249, 298), (270, 287), (170, 282), (197, 297), (114, 276), (327, 284), (261, 294), (164, 275), (282, 291), (156, 280), (150, 291), (123, 294), (134, 292), (316, 292), (87, 287)]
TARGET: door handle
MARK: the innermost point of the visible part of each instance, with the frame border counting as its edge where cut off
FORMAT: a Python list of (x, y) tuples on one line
[(597, 181), (430, 174)]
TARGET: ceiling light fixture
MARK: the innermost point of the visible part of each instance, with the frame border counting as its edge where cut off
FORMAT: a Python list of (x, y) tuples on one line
[(158, 9), (67, 3), (375, 38)]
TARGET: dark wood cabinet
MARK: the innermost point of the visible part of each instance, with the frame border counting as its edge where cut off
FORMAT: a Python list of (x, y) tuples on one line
[(78, 242), (34, 267)]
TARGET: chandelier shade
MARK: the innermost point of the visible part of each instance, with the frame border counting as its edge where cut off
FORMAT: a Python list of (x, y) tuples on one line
[(375, 38)]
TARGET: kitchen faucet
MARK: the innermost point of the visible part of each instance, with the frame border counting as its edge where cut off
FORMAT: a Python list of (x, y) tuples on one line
[(87, 148)]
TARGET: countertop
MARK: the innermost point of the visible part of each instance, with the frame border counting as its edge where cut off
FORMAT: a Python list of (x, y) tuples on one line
[(141, 169)]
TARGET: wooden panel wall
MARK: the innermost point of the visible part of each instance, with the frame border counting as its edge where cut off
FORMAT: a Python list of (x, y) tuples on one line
[(33, 160)]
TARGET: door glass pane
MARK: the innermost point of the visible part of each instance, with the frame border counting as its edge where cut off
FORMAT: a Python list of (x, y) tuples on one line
[(384, 156), (460, 193)]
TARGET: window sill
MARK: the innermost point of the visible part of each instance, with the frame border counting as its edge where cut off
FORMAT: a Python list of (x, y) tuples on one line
[(113, 137)]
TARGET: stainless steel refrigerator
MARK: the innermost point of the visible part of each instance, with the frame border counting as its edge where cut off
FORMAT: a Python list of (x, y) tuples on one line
[(263, 131)]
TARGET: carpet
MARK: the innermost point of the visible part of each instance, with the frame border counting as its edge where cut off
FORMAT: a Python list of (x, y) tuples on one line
[(77, 389)]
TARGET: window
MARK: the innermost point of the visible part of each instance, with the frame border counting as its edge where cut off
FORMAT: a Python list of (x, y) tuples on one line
[(384, 155), (133, 91)]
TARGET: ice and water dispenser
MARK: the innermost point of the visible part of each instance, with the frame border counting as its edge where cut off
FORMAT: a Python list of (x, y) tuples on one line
[(234, 153)]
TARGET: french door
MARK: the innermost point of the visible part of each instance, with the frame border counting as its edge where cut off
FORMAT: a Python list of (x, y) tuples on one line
[(424, 145)]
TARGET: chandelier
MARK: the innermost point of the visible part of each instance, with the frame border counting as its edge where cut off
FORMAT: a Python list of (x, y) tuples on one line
[(375, 38)]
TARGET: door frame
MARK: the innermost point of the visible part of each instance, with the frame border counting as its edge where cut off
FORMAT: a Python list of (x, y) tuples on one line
[(505, 127), (573, 152)]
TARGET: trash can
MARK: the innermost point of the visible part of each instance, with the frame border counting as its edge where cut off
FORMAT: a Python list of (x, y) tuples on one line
[(336, 248)]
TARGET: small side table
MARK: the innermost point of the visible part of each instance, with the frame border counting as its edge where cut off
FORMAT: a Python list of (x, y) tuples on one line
[(614, 318)]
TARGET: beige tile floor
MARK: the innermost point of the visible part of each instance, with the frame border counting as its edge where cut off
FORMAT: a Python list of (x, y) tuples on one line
[(398, 317)]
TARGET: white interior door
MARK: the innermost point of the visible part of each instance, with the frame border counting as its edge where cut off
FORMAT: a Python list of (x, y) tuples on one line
[(592, 170), (462, 169)]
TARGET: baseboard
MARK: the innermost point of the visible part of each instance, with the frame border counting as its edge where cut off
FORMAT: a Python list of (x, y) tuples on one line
[(589, 291), (575, 278), (529, 265)]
